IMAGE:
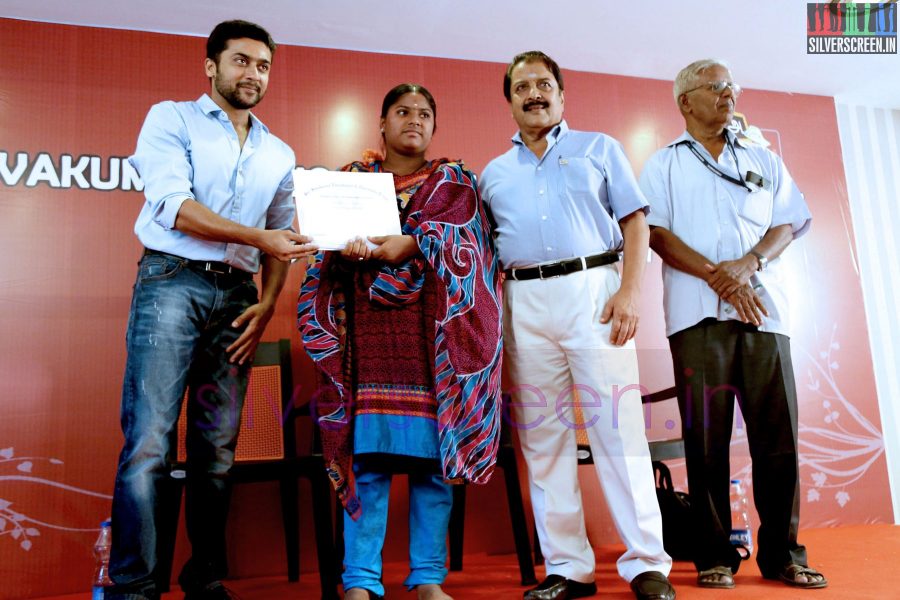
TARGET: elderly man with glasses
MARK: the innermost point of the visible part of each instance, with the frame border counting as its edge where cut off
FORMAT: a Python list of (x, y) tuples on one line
[(722, 211)]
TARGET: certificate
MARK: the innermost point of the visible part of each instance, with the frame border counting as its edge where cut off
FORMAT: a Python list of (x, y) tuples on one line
[(334, 207)]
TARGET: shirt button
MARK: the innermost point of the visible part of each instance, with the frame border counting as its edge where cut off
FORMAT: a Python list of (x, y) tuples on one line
[(539, 168), (549, 248), (541, 192), (543, 217)]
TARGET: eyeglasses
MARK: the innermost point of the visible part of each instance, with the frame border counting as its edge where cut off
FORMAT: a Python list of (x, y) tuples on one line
[(718, 87)]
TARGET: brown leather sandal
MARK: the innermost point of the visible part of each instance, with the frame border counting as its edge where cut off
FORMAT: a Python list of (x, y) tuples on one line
[(792, 571), (717, 577)]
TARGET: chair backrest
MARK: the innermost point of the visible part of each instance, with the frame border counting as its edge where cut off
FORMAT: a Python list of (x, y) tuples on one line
[(267, 431)]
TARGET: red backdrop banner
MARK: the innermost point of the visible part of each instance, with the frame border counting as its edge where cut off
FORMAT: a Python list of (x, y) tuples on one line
[(72, 100)]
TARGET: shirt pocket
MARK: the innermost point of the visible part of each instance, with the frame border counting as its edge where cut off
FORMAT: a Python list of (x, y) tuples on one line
[(580, 178), (755, 208)]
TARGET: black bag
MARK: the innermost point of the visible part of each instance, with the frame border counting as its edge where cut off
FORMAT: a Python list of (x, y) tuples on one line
[(678, 538)]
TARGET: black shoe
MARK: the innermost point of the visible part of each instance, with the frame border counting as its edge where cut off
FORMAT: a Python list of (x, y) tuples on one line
[(211, 591), (557, 587), (652, 585)]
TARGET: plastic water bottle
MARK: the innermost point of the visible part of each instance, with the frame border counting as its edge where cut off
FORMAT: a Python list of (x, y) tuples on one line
[(101, 557), (741, 532)]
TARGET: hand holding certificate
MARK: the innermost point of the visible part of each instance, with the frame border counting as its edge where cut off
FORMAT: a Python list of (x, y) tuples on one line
[(334, 207)]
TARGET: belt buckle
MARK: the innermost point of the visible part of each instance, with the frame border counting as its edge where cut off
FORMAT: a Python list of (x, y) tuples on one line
[(210, 267), (541, 272)]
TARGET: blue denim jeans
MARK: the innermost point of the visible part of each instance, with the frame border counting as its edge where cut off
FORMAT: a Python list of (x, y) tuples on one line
[(178, 330), (430, 500)]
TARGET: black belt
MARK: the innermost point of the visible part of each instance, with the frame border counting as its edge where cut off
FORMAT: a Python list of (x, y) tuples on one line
[(210, 266), (563, 267)]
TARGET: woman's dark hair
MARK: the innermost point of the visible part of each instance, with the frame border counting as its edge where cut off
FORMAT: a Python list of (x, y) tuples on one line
[(408, 88), (528, 57), (235, 30)]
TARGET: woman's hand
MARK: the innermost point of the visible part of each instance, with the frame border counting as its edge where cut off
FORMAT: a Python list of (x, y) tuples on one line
[(356, 250), (394, 249)]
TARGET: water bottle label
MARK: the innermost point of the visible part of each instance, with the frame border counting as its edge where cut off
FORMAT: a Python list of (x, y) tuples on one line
[(741, 536), (97, 593)]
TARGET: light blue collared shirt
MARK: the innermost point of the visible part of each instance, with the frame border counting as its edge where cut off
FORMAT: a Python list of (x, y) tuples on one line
[(721, 221), (565, 204), (190, 150)]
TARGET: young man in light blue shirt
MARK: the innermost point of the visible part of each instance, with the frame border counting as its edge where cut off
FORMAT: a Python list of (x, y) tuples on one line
[(218, 208)]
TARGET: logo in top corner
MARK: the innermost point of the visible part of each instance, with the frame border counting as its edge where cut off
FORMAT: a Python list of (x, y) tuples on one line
[(851, 27)]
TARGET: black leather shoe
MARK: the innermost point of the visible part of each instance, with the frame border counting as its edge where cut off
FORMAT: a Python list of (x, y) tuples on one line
[(652, 585), (557, 587)]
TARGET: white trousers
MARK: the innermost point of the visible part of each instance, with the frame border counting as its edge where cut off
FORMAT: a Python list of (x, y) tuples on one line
[(557, 350)]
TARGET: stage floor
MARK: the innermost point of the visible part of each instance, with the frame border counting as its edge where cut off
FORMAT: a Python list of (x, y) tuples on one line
[(858, 562)]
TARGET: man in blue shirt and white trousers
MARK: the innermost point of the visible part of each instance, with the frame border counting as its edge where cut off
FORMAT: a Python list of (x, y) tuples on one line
[(564, 203), (218, 207)]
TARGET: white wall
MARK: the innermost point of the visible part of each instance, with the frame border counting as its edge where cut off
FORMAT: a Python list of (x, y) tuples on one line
[(870, 140)]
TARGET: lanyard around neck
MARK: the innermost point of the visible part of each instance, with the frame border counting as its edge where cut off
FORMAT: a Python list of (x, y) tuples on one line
[(715, 169)]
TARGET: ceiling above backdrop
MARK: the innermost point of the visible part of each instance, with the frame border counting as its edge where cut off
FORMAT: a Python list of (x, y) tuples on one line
[(764, 41)]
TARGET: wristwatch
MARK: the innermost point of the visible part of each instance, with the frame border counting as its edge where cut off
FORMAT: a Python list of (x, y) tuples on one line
[(763, 261)]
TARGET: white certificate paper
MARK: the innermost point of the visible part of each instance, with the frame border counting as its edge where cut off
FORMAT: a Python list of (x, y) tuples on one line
[(334, 207)]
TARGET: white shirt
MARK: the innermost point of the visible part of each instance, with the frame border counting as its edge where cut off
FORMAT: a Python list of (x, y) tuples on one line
[(722, 221)]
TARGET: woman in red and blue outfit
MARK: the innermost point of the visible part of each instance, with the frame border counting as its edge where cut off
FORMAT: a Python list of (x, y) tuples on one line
[(407, 339)]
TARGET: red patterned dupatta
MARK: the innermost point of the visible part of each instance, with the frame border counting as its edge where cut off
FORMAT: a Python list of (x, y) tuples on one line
[(446, 217)]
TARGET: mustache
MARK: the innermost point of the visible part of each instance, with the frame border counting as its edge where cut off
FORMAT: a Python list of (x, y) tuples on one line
[(532, 103)]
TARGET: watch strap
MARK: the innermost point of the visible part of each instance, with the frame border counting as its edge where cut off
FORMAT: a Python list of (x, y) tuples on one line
[(763, 261)]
